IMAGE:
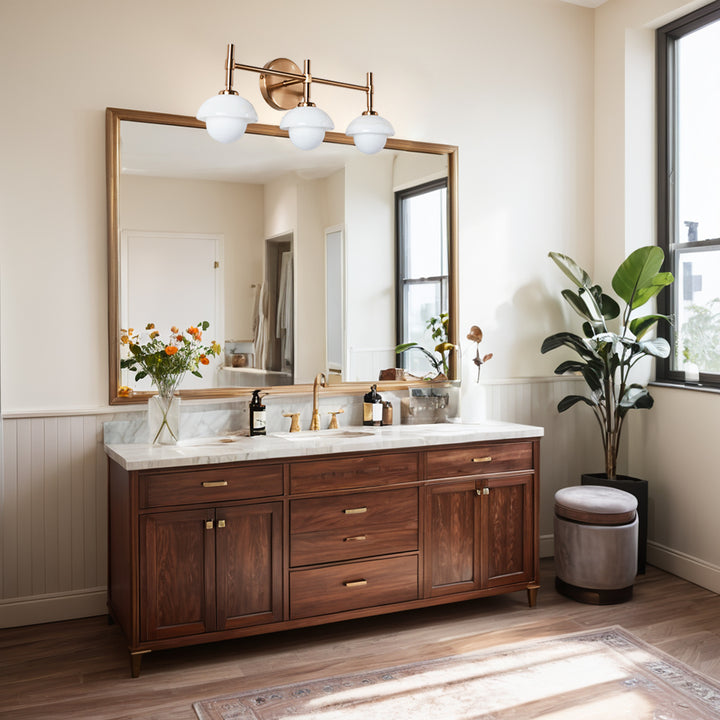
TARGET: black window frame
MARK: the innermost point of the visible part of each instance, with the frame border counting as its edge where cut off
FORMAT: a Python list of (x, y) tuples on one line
[(667, 159), (400, 253)]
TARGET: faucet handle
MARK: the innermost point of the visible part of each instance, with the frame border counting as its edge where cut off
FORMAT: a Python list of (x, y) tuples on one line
[(295, 422), (333, 420)]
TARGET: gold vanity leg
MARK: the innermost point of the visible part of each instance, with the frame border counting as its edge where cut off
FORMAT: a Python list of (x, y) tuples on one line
[(135, 661), (532, 591)]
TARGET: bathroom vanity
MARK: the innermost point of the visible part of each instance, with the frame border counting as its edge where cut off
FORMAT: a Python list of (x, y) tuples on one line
[(229, 537)]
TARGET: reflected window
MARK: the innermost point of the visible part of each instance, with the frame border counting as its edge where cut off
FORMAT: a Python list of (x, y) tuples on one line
[(422, 262), (689, 165)]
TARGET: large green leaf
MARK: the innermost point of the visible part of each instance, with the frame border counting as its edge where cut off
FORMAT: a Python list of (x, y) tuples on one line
[(568, 340), (573, 299), (569, 366), (569, 400), (593, 313), (636, 396), (641, 325), (608, 307), (592, 377), (638, 279), (571, 269), (657, 347)]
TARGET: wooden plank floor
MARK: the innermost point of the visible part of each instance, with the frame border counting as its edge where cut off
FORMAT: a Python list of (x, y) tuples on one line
[(80, 668)]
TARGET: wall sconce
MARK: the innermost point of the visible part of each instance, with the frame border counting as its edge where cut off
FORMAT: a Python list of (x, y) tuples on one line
[(284, 87)]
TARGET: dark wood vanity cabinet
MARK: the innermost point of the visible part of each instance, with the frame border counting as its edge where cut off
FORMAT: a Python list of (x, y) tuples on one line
[(212, 552), (209, 569), (481, 518)]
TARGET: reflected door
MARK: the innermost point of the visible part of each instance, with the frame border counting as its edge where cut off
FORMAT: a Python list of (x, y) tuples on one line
[(335, 303), (172, 279)]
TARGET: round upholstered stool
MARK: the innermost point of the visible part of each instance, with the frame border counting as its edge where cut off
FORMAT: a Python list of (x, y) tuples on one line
[(596, 540)]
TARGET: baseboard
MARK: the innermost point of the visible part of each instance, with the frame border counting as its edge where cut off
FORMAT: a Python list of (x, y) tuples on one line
[(685, 566), (52, 608), (547, 546)]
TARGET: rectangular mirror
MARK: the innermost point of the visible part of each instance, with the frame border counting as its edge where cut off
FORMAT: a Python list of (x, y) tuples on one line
[(290, 255)]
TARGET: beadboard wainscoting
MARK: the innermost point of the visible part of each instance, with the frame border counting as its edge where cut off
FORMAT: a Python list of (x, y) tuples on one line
[(53, 490)]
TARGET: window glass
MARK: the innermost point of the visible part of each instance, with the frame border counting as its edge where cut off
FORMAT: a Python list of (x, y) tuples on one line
[(422, 248), (698, 139), (689, 192), (426, 234)]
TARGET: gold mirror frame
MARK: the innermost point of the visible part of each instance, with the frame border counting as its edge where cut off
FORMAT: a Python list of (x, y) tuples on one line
[(114, 116)]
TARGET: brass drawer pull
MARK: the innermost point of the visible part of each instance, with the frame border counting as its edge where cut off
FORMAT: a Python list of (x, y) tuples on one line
[(483, 491), (355, 537), (487, 458), (214, 483), (355, 511), (221, 523), (354, 583), (209, 524)]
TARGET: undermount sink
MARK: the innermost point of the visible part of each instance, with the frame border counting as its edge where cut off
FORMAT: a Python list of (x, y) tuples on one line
[(199, 442), (323, 434)]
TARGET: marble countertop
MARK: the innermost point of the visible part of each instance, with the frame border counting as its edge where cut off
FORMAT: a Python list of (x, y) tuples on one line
[(233, 448)]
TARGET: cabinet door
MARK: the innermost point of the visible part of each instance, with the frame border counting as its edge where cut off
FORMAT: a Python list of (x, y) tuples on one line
[(249, 565), (508, 527), (452, 539), (177, 568)]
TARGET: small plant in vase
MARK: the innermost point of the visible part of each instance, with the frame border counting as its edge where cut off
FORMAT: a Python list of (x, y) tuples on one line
[(440, 359), (166, 363)]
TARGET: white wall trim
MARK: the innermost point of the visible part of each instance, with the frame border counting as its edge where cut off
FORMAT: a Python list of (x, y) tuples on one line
[(685, 566), (53, 607)]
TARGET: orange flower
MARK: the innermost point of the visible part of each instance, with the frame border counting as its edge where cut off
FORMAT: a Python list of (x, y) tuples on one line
[(124, 339), (170, 350), (204, 360), (173, 329), (154, 334), (179, 338), (150, 326)]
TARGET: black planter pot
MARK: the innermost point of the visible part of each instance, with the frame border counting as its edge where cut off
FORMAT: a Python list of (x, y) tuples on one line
[(636, 487)]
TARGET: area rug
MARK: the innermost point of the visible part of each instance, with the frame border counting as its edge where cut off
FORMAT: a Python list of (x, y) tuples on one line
[(606, 673)]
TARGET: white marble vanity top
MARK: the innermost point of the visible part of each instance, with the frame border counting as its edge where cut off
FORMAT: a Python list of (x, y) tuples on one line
[(232, 448)]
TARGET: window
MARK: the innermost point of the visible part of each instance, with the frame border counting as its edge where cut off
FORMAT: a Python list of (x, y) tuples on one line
[(688, 52), (422, 260)]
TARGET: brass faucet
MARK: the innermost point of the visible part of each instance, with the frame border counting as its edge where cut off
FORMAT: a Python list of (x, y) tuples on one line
[(319, 381)]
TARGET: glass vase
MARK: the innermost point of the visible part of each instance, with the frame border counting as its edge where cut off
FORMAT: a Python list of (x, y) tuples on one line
[(164, 419)]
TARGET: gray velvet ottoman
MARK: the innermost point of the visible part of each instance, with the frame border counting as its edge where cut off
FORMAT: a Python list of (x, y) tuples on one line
[(596, 537)]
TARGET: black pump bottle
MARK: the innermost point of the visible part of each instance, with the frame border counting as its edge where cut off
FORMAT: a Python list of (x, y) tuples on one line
[(257, 414)]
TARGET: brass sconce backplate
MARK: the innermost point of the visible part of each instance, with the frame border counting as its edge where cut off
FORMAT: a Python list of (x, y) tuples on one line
[(274, 89)]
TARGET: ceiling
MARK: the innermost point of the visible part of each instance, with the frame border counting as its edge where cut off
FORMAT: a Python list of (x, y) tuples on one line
[(586, 3), (182, 152)]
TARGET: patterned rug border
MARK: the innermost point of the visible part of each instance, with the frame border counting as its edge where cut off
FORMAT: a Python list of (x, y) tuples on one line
[(702, 687)]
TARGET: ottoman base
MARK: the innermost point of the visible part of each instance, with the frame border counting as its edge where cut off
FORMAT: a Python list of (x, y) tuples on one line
[(593, 597)]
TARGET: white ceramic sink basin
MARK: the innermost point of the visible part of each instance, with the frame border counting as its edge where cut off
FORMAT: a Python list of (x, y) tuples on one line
[(307, 435), (202, 442)]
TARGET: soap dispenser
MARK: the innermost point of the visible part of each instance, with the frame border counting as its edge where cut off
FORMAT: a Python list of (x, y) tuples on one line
[(372, 407), (257, 414)]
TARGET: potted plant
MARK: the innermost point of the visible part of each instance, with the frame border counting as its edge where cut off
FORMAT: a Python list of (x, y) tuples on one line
[(613, 340), (439, 362)]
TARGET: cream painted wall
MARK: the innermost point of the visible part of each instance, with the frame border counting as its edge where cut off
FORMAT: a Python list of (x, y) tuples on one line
[(674, 446), (232, 210), (519, 104)]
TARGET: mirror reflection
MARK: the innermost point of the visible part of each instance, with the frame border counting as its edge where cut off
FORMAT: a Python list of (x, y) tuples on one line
[(290, 255)]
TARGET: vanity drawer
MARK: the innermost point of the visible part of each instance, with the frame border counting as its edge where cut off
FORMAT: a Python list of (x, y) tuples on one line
[(479, 459), (320, 591), (187, 487), (347, 473), (345, 527)]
